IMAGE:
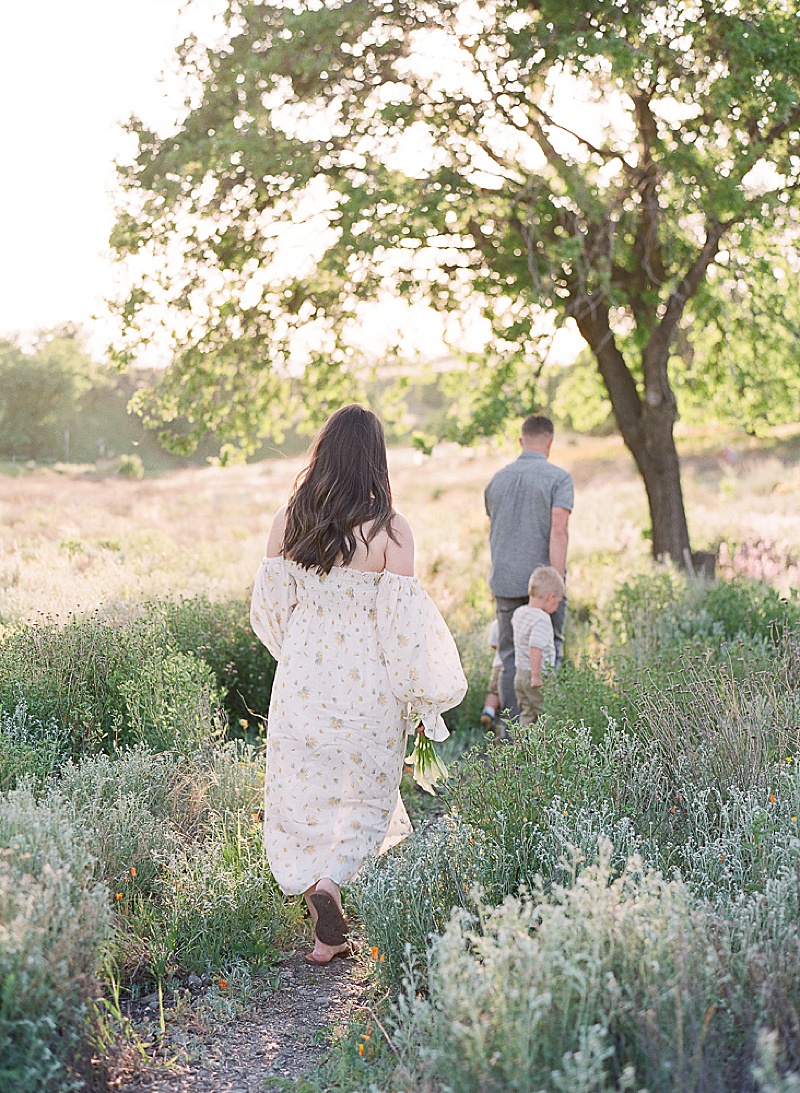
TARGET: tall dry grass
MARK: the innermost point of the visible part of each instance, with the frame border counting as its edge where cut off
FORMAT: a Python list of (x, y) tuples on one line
[(73, 541)]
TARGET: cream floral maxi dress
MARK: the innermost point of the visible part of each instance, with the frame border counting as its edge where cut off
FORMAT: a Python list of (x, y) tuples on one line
[(362, 659)]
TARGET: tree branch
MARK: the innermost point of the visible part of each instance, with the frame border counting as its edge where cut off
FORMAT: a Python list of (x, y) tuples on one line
[(647, 243), (604, 153), (656, 352)]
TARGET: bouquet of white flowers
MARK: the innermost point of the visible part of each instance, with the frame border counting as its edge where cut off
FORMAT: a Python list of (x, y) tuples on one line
[(427, 769)]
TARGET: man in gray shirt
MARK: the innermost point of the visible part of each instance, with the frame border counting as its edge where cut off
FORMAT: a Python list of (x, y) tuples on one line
[(528, 503)]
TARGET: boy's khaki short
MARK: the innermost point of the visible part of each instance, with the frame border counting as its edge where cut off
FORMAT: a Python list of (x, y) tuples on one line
[(529, 698)]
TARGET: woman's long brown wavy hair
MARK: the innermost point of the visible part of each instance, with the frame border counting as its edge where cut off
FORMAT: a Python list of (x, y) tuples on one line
[(344, 486)]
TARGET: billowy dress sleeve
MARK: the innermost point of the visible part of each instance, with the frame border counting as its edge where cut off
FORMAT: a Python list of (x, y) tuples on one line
[(419, 653), (274, 599)]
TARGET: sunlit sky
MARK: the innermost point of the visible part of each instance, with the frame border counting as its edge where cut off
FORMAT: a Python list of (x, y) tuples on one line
[(69, 74)]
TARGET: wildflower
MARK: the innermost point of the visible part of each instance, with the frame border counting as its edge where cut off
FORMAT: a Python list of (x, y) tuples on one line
[(789, 759), (223, 984), (374, 952), (722, 857), (361, 1050), (772, 798), (133, 870), (381, 958), (793, 819), (119, 895)]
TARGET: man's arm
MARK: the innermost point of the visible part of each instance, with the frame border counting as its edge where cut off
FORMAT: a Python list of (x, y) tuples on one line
[(559, 539)]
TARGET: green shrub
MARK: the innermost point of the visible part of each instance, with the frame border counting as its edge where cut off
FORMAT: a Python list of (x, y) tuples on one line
[(28, 747), (666, 610), (175, 841), (583, 693), (751, 607), (610, 984), (71, 674), (130, 466), (54, 925), (221, 635), (171, 702), (103, 679), (215, 903)]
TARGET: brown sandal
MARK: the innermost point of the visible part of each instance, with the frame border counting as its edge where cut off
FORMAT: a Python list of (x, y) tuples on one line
[(331, 926)]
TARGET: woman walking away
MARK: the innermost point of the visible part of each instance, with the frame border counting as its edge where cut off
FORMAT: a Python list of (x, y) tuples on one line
[(363, 658)]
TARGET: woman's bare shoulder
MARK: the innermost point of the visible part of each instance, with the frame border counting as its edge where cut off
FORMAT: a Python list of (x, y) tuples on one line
[(401, 527), (400, 547), (275, 541)]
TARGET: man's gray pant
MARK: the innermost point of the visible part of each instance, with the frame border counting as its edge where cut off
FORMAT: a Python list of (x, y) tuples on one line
[(505, 608)]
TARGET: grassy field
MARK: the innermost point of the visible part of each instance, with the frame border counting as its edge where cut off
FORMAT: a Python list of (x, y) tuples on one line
[(623, 879), (72, 540)]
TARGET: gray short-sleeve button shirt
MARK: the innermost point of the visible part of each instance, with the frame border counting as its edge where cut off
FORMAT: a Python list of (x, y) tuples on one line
[(519, 500)]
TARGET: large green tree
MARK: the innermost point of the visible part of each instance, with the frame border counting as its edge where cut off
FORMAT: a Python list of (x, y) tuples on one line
[(41, 391), (609, 162)]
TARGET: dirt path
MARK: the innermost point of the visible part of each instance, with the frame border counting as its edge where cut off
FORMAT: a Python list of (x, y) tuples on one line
[(284, 1031)]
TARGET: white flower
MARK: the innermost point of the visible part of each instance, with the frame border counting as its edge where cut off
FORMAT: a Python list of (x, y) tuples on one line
[(427, 768)]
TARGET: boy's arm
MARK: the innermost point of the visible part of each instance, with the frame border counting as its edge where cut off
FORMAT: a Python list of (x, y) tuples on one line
[(536, 666)]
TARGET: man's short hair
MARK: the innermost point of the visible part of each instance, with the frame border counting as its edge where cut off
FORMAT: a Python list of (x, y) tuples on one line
[(545, 579), (536, 425)]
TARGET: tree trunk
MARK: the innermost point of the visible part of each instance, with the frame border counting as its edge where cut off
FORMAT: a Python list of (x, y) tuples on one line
[(653, 448), (646, 425)]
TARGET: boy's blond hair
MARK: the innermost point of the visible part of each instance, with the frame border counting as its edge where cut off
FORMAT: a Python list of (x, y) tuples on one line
[(545, 579)]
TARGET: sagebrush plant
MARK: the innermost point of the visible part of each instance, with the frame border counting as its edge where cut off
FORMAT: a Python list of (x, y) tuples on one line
[(54, 927), (704, 789), (405, 897), (30, 747), (610, 983), (175, 840), (130, 810)]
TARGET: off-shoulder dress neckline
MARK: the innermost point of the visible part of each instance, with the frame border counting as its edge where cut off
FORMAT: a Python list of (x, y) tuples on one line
[(341, 569)]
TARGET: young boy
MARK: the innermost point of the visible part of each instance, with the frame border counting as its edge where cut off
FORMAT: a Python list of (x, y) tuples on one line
[(491, 704), (534, 647)]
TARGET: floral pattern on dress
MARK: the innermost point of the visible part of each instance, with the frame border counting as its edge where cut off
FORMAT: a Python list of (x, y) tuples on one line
[(362, 659)]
